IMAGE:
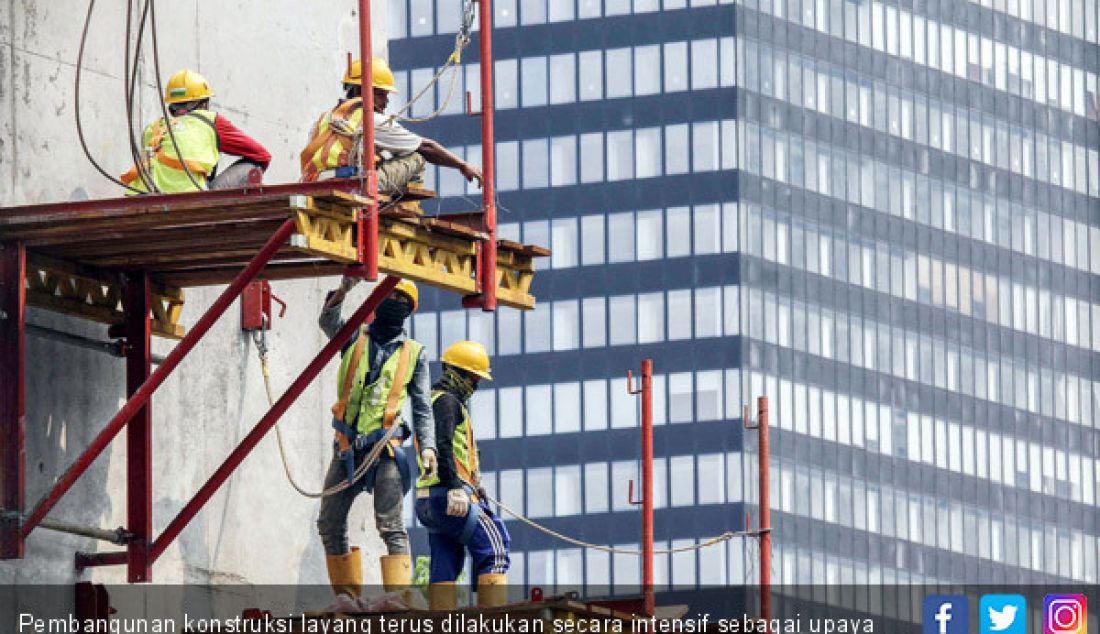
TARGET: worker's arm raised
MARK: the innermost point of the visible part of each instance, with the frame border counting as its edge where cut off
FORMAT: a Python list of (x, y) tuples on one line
[(436, 154), (420, 400)]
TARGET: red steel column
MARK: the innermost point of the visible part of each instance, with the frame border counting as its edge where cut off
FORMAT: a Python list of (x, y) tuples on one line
[(765, 512), (368, 220), (272, 417), (647, 486), (13, 302), (137, 303), (145, 393), (487, 273)]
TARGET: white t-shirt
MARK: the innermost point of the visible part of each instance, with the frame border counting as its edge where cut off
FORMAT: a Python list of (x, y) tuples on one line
[(391, 136)]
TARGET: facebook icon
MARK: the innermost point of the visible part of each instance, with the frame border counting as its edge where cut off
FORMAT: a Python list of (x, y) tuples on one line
[(946, 614)]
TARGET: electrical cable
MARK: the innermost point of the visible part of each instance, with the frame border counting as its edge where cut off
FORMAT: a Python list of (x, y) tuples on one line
[(160, 96), (130, 85), (76, 105)]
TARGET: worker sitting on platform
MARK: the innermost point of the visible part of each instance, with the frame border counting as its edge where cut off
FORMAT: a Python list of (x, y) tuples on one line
[(452, 505), (335, 141), (201, 136), (381, 367)]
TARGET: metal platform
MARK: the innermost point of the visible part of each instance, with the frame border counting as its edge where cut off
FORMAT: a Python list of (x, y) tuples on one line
[(75, 251)]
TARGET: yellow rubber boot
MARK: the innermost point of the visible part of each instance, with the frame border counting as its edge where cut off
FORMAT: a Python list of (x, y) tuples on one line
[(442, 595), (491, 590), (345, 573), (396, 572)]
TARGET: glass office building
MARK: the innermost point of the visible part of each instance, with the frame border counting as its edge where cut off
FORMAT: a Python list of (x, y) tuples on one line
[(884, 215)]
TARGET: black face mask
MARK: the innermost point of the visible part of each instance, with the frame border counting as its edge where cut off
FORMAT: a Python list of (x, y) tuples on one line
[(389, 318)]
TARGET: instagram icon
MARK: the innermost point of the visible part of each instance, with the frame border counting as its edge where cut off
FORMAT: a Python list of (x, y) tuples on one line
[(1065, 614)]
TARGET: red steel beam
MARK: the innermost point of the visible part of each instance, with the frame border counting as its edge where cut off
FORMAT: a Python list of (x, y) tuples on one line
[(13, 303), (137, 303), (142, 396), (765, 512), (488, 254), (167, 202), (368, 222), (188, 512), (649, 600)]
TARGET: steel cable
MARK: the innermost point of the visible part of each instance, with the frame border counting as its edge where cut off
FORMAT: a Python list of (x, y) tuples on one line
[(259, 338), (724, 537), (129, 89)]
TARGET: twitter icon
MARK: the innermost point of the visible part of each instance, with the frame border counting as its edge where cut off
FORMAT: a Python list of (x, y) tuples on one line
[(1003, 614)]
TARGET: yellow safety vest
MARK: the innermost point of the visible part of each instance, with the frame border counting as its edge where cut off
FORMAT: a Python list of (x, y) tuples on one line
[(367, 403), (197, 135), (333, 138), (464, 449)]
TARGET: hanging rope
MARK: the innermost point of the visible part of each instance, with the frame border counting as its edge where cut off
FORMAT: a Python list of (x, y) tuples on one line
[(260, 339), (453, 63), (160, 96), (724, 537)]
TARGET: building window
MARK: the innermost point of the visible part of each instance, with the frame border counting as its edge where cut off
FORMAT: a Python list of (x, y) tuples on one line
[(539, 411), (704, 64), (619, 72), (566, 325), (591, 67), (620, 228), (650, 238), (647, 153), (651, 317), (595, 487), (534, 11), (481, 330), (683, 480), (679, 314), (508, 332), (595, 404), (708, 395), (594, 321), (536, 327), (620, 155), (680, 397), (505, 93), (511, 402), (624, 407), (592, 157), (679, 232), (708, 312), (563, 75), (422, 18), (563, 243), (454, 326), (592, 240), (567, 490), (677, 159), (561, 11), (424, 329), (567, 407), (507, 161), (563, 161), (505, 13), (534, 81), (647, 70), (483, 413), (622, 320), (535, 167), (539, 482), (707, 230), (676, 66), (712, 478)]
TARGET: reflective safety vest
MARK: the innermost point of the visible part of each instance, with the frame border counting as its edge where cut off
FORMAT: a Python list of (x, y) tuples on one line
[(197, 134), (367, 403), (333, 139), (464, 450)]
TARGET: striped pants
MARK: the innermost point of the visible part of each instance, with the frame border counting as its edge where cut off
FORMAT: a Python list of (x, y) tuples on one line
[(487, 543)]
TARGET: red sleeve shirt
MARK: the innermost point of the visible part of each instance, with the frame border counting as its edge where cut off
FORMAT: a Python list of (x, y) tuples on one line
[(232, 141)]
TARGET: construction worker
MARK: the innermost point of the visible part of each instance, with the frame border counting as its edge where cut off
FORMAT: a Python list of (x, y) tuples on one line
[(381, 367), (333, 150), (451, 504), (202, 137)]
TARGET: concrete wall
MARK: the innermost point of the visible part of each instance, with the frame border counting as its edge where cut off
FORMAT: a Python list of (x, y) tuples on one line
[(274, 65)]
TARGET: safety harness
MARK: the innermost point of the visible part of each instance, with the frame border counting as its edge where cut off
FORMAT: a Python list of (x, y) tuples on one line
[(349, 440)]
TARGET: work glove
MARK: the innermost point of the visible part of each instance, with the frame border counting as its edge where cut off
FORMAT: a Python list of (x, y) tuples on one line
[(336, 296), (429, 462), (458, 503)]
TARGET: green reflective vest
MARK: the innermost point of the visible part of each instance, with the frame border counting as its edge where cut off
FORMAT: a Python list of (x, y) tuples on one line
[(367, 403), (464, 450), (195, 132)]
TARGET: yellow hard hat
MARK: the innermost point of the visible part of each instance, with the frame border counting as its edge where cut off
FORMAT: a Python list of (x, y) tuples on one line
[(469, 356), (187, 85), (382, 76), (408, 288)]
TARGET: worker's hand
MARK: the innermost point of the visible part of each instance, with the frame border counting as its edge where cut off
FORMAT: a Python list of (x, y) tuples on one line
[(431, 466), (336, 296), (471, 173), (458, 503)]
